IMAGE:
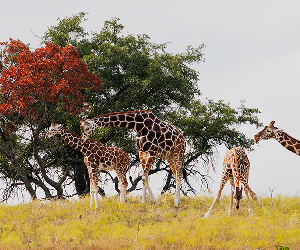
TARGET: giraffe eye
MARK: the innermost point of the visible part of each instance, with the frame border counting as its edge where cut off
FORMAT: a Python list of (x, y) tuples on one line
[(269, 131)]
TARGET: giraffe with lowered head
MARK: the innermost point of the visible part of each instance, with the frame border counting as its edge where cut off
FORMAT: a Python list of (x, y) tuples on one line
[(155, 138), (96, 157), (236, 166), (282, 137)]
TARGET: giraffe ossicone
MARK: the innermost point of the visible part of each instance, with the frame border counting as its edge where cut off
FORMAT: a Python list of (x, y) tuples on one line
[(282, 137), (155, 139), (236, 166), (97, 157)]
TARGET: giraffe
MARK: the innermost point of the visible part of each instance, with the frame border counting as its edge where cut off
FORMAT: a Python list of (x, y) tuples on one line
[(155, 139), (96, 157), (282, 137), (236, 166)]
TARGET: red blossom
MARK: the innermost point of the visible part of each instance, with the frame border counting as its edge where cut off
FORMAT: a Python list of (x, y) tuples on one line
[(50, 73)]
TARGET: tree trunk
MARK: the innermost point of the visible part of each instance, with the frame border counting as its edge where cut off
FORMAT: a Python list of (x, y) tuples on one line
[(40, 184), (81, 178), (168, 182), (8, 152), (23, 177), (56, 185)]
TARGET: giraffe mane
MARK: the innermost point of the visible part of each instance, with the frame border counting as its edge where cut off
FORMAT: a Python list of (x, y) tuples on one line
[(69, 131), (75, 135), (123, 112)]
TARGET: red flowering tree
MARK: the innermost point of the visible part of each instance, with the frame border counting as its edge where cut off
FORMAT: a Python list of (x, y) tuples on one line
[(47, 75), (37, 87)]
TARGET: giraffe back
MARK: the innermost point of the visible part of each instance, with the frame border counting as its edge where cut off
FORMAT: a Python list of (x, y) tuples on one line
[(108, 158), (229, 163), (158, 138)]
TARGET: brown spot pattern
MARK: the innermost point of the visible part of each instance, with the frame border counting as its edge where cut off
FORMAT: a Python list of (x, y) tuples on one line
[(154, 137), (97, 156)]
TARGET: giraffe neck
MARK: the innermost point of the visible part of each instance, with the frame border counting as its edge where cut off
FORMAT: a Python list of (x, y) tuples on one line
[(288, 142), (237, 168), (135, 120), (72, 139)]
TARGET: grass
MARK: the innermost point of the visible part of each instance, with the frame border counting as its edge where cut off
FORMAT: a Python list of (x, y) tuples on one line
[(133, 225)]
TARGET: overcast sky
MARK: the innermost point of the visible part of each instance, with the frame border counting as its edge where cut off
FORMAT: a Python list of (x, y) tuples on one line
[(252, 53)]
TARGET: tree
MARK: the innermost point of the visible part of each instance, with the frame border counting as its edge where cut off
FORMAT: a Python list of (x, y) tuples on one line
[(139, 74), (136, 74), (37, 87), (206, 126), (68, 31)]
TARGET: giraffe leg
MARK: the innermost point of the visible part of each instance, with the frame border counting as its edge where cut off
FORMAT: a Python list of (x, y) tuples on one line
[(94, 196), (122, 182), (95, 188), (248, 199), (253, 195), (122, 194), (177, 192), (147, 162), (93, 174), (144, 189), (231, 195), (143, 159), (175, 163), (147, 187), (217, 197), (178, 176)]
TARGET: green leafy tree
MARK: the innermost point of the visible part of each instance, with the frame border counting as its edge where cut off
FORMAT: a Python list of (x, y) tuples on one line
[(68, 31), (206, 126), (139, 74)]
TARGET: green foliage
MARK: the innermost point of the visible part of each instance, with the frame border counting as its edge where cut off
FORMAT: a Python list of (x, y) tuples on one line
[(209, 124), (133, 225), (136, 73), (139, 74), (68, 31)]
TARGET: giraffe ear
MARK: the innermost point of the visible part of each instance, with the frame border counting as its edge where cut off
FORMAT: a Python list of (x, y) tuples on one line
[(52, 123), (80, 119)]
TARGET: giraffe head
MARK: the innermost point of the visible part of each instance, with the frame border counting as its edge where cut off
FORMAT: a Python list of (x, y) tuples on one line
[(268, 132), (53, 130), (238, 196), (87, 127)]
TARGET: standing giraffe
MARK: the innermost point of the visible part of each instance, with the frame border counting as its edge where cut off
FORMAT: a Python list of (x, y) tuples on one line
[(155, 138), (236, 168), (96, 157), (282, 137)]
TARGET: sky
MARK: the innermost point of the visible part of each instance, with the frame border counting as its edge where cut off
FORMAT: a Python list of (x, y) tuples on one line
[(252, 53)]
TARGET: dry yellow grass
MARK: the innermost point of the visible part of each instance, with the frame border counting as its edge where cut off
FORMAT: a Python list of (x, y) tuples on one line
[(133, 225)]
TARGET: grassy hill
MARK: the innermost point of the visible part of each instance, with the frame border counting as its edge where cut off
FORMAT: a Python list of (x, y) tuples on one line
[(76, 225)]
